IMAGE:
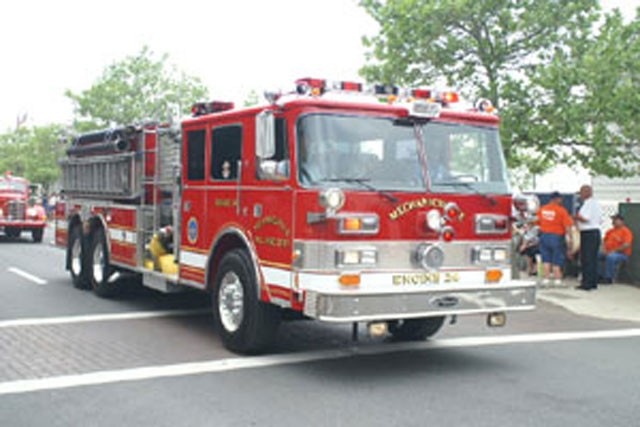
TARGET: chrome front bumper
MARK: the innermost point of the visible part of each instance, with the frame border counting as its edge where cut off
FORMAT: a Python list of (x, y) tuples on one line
[(356, 307)]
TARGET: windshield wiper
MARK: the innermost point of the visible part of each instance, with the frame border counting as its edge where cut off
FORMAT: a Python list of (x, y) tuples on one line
[(467, 186), (363, 182)]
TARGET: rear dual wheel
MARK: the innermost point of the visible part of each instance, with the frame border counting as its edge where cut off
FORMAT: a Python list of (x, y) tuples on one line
[(98, 268), (89, 263), (77, 267)]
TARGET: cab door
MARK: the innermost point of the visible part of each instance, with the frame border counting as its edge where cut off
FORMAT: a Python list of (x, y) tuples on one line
[(193, 209), (269, 200)]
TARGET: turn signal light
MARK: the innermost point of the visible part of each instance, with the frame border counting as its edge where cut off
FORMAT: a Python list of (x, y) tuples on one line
[(349, 280), (449, 97), (493, 276), (352, 224)]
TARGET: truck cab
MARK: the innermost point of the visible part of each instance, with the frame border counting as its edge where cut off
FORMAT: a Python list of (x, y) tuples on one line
[(19, 211)]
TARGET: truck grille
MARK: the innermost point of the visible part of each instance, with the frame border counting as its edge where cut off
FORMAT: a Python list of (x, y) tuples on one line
[(16, 209)]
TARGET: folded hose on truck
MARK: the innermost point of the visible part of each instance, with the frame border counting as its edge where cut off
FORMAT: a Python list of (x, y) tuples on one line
[(161, 253)]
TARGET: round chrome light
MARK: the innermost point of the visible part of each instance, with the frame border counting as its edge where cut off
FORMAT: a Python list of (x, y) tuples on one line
[(430, 256), (332, 199), (434, 220)]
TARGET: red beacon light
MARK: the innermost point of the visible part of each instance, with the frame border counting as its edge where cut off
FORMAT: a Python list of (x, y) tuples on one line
[(202, 108), (448, 234), (421, 93), (452, 211), (351, 86)]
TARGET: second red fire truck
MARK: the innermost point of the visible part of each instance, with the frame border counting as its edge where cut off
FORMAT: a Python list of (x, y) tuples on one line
[(339, 202), (19, 210)]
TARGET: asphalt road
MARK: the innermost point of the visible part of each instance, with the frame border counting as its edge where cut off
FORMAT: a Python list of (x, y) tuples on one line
[(70, 358)]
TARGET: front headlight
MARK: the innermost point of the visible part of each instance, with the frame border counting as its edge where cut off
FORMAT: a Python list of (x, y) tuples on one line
[(332, 199), (32, 212), (356, 257), (490, 254), (434, 220)]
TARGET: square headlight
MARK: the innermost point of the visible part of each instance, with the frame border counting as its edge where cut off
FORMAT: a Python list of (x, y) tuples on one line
[(499, 254), (484, 255), (349, 257), (356, 257)]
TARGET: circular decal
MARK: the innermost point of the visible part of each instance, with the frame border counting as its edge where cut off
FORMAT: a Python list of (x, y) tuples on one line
[(192, 230)]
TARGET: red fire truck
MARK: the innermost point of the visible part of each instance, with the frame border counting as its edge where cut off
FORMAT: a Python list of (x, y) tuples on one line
[(339, 201), (18, 210)]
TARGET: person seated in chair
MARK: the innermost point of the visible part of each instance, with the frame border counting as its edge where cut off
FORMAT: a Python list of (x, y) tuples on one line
[(617, 249)]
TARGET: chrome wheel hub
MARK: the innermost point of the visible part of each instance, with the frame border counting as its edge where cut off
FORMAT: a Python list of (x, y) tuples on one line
[(76, 262), (98, 264), (231, 302)]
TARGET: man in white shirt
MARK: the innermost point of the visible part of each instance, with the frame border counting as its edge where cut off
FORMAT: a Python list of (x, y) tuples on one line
[(588, 219)]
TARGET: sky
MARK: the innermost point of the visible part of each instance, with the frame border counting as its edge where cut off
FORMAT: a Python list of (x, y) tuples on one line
[(234, 46)]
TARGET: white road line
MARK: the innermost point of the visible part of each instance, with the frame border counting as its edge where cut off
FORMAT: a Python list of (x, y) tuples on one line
[(28, 276), (37, 321), (183, 369)]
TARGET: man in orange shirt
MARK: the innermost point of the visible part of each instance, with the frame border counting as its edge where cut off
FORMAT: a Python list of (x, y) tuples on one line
[(555, 223), (617, 248)]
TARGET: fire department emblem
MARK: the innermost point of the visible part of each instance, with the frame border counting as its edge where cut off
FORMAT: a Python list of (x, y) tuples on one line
[(192, 230)]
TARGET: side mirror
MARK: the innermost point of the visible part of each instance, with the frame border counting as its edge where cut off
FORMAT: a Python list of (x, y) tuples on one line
[(527, 203), (265, 135), (273, 170)]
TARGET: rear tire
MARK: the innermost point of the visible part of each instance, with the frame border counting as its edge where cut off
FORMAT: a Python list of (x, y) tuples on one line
[(415, 329), (37, 234), (12, 232), (98, 268), (77, 264), (246, 324)]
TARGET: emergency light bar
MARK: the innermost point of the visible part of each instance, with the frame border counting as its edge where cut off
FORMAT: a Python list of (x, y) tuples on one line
[(316, 87), (202, 108)]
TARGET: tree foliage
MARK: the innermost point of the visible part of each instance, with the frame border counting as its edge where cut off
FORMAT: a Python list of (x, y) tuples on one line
[(137, 88), (547, 64), (33, 152)]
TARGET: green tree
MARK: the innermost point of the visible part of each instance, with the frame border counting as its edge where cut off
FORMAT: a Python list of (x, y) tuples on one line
[(587, 101), (139, 87), (33, 152), (492, 49)]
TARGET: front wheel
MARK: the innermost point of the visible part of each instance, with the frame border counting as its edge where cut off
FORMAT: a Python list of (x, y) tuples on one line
[(415, 329), (98, 268), (246, 324)]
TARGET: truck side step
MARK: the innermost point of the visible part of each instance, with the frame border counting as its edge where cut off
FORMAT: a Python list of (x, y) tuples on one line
[(161, 282)]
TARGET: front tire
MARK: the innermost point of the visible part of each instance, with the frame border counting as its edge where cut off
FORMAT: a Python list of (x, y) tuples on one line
[(415, 329), (246, 324), (37, 234), (77, 264), (98, 268)]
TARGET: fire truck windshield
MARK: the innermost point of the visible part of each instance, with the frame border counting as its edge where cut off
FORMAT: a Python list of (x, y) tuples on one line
[(13, 186), (349, 150)]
